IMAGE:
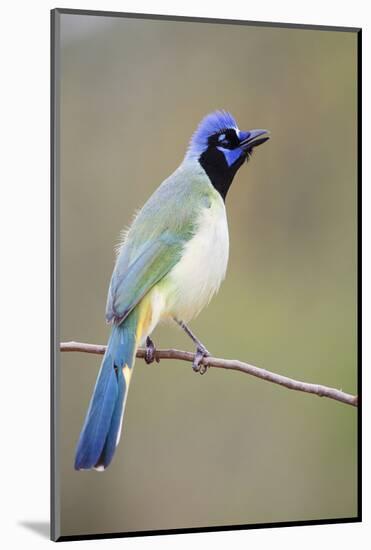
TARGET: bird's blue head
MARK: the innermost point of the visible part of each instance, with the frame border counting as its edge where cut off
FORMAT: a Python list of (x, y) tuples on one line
[(221, 148)]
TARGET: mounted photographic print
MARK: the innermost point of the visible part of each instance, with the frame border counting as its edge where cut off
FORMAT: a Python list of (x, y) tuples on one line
[(205, 274)]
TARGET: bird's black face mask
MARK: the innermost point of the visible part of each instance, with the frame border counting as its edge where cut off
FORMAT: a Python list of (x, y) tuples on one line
[(226, 151)]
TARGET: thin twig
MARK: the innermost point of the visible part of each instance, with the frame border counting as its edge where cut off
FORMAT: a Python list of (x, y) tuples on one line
[(232, 364)]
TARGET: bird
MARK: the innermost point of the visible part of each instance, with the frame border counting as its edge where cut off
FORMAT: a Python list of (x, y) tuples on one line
[(171, 261)]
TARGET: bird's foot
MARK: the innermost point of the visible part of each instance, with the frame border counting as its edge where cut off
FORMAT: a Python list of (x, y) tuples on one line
[(150, 355), (197, 365)]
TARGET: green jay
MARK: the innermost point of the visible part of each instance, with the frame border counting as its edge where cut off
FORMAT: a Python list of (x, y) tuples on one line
[(170, 263)]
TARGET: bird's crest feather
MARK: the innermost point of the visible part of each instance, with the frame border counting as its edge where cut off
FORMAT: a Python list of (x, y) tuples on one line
[(211, 124)]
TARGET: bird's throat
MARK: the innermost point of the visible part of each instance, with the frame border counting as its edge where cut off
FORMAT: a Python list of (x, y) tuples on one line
[(216, 167)]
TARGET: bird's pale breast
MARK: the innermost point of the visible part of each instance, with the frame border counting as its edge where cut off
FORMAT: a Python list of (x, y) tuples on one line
[(191, 284)]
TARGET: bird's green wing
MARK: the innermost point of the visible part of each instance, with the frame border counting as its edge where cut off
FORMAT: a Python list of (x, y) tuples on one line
[(156, 239), (130, 283)]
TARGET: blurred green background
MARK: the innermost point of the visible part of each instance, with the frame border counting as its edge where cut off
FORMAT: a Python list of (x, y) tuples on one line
[(224, 448)]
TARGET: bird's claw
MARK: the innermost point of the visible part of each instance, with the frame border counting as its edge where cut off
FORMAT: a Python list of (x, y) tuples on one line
[(197, 365), (150, 354)]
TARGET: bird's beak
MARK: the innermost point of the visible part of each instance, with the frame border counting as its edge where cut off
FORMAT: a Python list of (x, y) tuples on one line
[(252, 138)]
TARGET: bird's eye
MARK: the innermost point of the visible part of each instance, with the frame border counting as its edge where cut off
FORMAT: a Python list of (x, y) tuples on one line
[(223, 140)]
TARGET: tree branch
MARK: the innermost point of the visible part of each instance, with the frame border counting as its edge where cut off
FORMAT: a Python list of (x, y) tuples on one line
[(316, 389), (231, 364)]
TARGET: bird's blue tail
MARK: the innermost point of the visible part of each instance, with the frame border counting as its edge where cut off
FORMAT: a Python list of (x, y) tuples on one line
[(101, 430)]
